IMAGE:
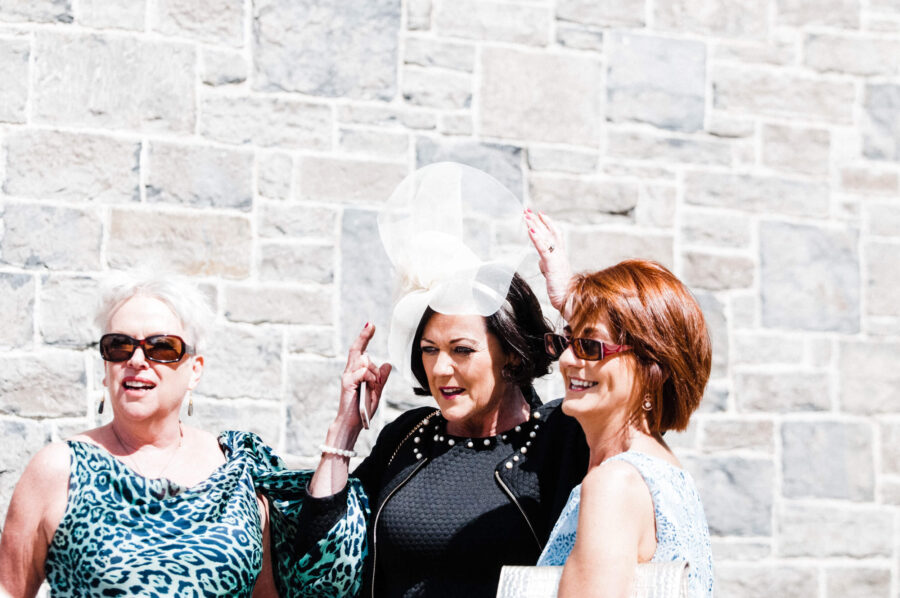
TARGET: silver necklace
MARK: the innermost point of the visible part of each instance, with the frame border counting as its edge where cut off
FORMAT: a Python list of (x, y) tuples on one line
[(126, 448)]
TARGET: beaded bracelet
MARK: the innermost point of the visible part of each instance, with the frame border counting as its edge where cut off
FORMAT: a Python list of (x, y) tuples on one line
[(330, 450)]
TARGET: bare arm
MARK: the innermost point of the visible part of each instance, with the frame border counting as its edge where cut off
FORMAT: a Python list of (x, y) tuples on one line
[(553, 261), (332, 472), (37, 506), (616, 530)]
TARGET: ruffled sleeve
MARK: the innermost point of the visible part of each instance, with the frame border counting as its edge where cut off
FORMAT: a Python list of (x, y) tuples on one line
[(324, 564)]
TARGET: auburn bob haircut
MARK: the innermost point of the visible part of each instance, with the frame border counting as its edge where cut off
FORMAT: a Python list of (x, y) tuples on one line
[(648, 308)]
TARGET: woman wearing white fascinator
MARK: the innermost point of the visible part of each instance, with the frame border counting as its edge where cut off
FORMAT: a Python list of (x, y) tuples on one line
[(449, 494)]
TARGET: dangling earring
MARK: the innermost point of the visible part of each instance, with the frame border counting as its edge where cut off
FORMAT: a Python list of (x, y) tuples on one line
[(102, 401), (190, 404), (646, 404)]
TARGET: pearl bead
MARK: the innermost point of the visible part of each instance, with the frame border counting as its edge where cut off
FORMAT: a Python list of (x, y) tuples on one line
[(418, 456), (487, 442), (503, 437), (528, 443), (417, 440), (470, 444), (518, 428), (537, 415), (523, 450), (509, 465), (532, 434), (515, 457), (435, 437), (442, 439), (451, 442)]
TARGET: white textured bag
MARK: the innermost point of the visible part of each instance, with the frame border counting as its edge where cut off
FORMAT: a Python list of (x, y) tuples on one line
[(651, 580)]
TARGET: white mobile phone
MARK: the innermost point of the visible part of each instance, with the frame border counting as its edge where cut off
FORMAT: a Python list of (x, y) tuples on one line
[(363, 408)]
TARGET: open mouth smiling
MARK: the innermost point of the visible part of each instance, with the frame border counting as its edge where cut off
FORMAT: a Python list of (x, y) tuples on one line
[(137, 384), (448, 392), (577, 384)]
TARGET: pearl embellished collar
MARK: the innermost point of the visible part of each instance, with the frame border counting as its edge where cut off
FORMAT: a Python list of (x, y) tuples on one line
[(433, 432)]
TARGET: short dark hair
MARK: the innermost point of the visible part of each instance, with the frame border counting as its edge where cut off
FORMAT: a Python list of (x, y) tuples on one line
[(519, 325)]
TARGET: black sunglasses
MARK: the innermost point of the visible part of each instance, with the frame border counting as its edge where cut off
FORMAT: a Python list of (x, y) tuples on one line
[(584, 348), (161, 348)]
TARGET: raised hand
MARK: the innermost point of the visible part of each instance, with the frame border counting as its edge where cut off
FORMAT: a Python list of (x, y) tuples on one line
[(553, 261)]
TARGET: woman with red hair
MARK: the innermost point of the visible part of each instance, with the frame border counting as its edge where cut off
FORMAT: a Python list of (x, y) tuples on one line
[(635, 357)]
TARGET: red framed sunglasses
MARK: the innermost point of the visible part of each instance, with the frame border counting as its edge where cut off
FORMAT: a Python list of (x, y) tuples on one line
[(584, 348)]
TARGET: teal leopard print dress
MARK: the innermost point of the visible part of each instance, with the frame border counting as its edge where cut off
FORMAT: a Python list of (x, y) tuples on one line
[(126, 535)]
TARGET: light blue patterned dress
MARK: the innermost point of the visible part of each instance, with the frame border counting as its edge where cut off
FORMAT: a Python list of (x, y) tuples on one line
[(681, 530)]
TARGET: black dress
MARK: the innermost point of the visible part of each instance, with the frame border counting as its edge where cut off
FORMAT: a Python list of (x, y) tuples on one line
[(448, 512)]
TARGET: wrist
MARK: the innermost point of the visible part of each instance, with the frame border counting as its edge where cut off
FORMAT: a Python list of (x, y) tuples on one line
[(341, 436)]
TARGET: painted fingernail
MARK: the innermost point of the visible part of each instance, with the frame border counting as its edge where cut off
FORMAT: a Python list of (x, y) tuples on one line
[(366, 326), (531, 229)]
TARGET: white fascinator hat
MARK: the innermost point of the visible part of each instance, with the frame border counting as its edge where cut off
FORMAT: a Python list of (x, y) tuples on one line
[(455, 238)]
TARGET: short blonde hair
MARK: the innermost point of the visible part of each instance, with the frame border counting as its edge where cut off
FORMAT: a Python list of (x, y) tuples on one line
[(181, 295)]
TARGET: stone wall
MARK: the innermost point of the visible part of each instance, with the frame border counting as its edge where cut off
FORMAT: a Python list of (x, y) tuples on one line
[(753, 146)]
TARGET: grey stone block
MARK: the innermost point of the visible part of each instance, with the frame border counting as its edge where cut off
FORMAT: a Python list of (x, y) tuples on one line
[(540, 97), (717, 326), (191, 243), (418, 15), (387, 116), (794, 149), (858, 582), (340, 180), (634, 145), (30, 437), (881, 127), (867, 181), (818, 12), (494, 21), (602, 12), (296, 221), (869, 376), (214, 21), (717, 272), (437, 88), (729, 18), (45, 384), (562, 160), (295, 262), (357, 47), (752, 193), (715, 229), (882, 266), (785, 392), (809, 277), (389, 145), (827, 460), (67, 305), (265, 121), (199, 176), (760, 348), (737, 494), (223, 67), (656, 206), (40, 11), (71, 166), (767, 92), (890, 447), (245, 361), (103, 14), (312, 340), (737, 435), (583, 200), (76, 234), (456, 124), (263, 418), (656, 80), (274, 174), (765, 580), (864, 56), (366, 281), (739, 549), (67, 67), (579, 37), (314, 389), (834, 531), (17, 302), (589, 250), (265, 304), (503, 162), (14, 56)]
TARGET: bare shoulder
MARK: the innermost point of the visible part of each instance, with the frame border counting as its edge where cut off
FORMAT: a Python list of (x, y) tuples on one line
[(614, 479), (50, 465)]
